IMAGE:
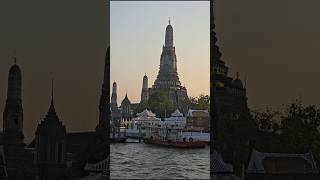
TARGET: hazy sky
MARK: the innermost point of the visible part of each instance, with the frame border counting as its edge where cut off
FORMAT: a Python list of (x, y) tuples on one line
[(137, 35), (275, 44), (64, 39)]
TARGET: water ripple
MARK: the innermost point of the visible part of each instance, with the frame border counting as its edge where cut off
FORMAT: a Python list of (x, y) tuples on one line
[(140, 161)]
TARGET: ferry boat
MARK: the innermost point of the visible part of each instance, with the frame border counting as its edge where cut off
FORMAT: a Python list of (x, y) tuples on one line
[(171, 132), (177, 144), (136, 128)]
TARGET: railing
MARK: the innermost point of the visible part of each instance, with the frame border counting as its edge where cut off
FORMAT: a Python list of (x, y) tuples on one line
[(102, 166)]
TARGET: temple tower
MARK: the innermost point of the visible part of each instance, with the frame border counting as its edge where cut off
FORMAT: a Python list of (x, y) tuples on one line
[(145, 90), (167, 81), (168, 75), (114, 103), (13, 112), (104, 98)]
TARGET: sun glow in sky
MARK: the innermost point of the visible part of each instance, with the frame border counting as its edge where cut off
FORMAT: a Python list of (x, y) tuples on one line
[(137, 33)]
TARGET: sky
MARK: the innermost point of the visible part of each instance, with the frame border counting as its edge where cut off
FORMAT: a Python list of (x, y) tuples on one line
[(137, 35), (275, 45), (64, 40)]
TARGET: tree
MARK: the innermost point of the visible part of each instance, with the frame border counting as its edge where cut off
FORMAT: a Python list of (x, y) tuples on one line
[(141, 107), (201, 102), (159, 104), (236, 138)]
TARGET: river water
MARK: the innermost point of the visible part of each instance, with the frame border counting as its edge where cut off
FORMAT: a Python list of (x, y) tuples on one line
[(145, 161)]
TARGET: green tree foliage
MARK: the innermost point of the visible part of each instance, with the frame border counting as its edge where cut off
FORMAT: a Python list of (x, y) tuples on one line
[(184, 105), (159, 104), (236, 136), (141, 107), (201, 102), (300, 128), (294, 129)]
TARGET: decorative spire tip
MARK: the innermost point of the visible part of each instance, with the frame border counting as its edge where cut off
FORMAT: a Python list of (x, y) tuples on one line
[(52, 91), (14, 56)]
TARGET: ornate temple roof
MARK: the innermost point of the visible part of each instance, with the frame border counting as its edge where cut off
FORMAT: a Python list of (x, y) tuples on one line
[(218, 165), (257, 161), (51, 123), (177, 113), (146, 113), (126, 100)]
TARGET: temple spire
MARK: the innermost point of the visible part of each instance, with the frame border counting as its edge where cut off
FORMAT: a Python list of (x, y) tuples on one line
[(52, 93), (169, 35), (15, 56), (105, 74)]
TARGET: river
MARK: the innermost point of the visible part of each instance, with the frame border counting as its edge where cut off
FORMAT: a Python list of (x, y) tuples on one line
[(145, 161)]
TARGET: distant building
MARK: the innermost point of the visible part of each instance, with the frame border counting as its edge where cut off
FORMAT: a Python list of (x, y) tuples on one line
[(145, 90), (126, 111), (115, 120), (280, 166), (198, 120)]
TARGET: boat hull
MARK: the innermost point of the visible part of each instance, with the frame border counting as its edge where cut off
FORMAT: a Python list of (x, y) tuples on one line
[(118, 140), (177, 144)]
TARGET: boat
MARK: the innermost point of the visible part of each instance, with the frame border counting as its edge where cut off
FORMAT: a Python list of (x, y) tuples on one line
[(171, 133), (196, 136), (136, 128), (118, 140), (177, 144), (118, 137)]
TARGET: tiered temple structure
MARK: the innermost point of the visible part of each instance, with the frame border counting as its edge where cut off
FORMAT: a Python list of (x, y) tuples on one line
[(12, 137), (13, 113), (145, 90), (168, 80)]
